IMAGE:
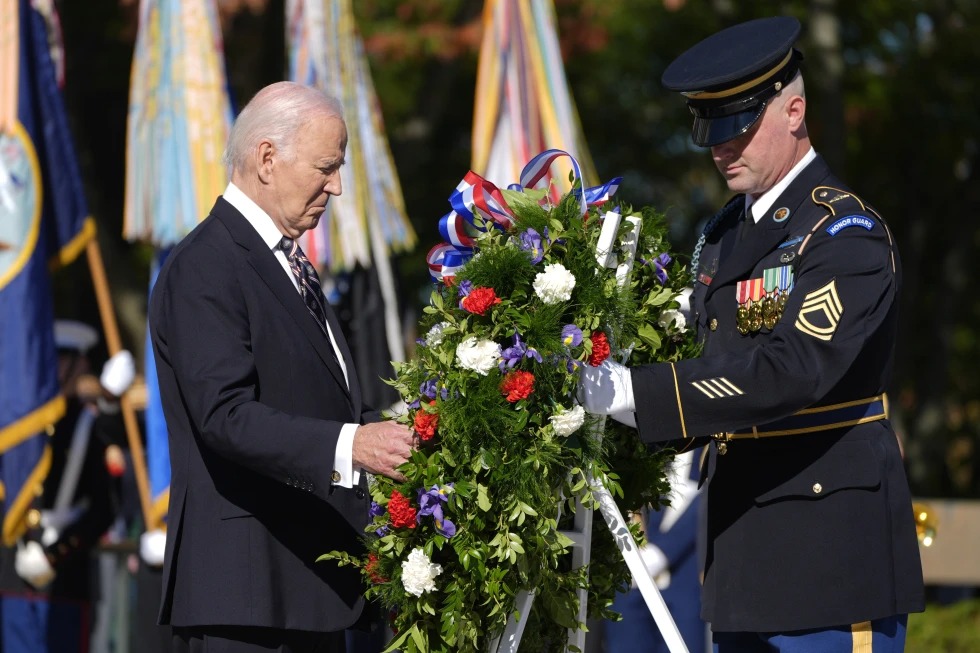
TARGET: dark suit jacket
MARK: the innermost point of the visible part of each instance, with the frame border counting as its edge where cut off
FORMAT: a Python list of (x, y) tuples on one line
[(804, 531), (254, 402)]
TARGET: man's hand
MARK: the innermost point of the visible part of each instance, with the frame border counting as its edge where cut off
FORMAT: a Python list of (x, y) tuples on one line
[(33, 566), (606, 389), (380, 447)]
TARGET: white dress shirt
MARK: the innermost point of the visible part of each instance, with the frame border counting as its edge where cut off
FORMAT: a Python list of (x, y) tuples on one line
[(762, 205), (271, 236)]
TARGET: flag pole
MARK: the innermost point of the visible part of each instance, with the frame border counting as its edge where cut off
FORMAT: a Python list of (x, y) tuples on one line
[(114, 346)]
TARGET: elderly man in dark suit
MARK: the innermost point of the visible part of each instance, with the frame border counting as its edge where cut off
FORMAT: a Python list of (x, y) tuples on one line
[(811, 543), (268, 435)]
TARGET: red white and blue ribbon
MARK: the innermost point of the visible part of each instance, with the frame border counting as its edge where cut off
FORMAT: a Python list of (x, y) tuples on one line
[(478, 203)]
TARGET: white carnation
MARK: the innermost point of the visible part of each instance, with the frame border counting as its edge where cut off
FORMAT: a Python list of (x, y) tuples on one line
[(481, 356), (673, 320), (566, 422), (419, 573), (554, 284), (435, 334)]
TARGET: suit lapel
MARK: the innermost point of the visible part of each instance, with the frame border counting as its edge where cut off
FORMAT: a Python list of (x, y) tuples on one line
[(264, 262), (769, 231)]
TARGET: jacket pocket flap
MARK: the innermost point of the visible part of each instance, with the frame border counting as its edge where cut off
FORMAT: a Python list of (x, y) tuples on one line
[(847, 465)]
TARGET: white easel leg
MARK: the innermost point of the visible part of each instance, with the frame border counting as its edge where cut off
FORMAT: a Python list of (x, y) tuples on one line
[(631, 554)]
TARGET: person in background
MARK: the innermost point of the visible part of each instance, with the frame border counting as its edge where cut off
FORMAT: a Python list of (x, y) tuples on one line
[(671, 558), (268, 434), (810, 540), (46, 589)]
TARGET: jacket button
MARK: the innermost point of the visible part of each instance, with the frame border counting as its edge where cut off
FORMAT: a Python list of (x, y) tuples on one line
[(817, 488), (713, 324), (359, 493), (335, 476)]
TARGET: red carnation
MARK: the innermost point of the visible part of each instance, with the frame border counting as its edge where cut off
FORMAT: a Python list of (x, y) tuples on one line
[(479, 300), (426, 423), (371, 568), (517, 385), (401, 511), (600, 348)]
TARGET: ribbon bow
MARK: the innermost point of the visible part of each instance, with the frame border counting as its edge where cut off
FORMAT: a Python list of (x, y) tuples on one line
[(478, 204)]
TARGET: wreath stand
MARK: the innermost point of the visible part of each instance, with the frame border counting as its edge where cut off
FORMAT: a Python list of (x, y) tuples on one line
[(581, 534)]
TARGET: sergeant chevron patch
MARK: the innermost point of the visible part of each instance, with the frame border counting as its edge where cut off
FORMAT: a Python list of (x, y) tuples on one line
[(821, 312), (717, 388)]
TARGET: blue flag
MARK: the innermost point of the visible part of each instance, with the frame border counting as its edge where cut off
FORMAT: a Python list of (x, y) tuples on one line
[(157, 446), (43, 223)]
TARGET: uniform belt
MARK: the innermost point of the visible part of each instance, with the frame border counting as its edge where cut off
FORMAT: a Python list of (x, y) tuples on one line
[(818, 418)]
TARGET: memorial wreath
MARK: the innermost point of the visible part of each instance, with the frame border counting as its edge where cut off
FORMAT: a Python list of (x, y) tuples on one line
[(529, 289)]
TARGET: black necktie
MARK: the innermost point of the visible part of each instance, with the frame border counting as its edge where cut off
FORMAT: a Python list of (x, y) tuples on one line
[(309, 282), (748, 223)]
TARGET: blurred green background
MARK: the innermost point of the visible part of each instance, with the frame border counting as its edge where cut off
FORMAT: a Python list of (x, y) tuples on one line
[(891, 88)]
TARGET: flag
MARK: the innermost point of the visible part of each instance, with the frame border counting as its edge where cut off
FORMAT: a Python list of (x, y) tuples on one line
[(44, 223), (368, 221), (523, 105), (178, 124)]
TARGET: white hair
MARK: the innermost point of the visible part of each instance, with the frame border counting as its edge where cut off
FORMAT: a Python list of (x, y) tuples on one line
[(277, 114)]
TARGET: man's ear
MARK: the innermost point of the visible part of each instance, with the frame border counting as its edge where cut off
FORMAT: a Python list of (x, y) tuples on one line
[(795, 109), (265, 158)]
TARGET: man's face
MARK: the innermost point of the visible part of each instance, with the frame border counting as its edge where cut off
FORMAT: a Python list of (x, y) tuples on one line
[(303, 185), (755, 161)]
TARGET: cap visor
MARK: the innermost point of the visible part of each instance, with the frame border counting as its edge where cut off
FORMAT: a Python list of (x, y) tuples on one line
[(708, 132)]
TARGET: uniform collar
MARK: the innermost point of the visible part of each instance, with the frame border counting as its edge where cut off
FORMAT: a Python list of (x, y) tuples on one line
[(762, 205)]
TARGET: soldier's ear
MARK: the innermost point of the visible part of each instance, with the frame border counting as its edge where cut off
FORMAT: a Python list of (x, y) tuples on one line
[(795, 108)]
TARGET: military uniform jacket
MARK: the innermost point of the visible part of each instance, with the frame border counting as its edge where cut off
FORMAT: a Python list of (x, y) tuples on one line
[(811, 528)]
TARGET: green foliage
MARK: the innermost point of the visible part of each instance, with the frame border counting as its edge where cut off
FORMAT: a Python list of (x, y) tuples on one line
[(945, 629), (506, 449)]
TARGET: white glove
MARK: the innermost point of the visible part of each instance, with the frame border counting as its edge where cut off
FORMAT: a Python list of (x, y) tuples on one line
[(657, 565), (606, 389), (153, 546), (118, 373), (627, 418), (32, 565)]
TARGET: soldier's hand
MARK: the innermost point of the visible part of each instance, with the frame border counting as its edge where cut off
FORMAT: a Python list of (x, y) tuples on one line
[(606, 389), (380, 447), (33, 565)]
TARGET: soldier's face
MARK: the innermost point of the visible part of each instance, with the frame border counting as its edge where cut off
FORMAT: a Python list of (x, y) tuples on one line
[(755, 161)]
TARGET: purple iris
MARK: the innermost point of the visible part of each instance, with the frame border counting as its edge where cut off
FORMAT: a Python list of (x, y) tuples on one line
[(377, 510), (465, 287), (531, 242), (661, 263), (428, 389), (430, 504), (572, 365), (571, 335), (510, 357)]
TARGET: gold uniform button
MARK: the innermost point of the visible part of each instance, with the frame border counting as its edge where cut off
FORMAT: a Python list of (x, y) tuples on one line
[(817, 488), (713, 324), (722, 448), (335, 476), (33, 518)]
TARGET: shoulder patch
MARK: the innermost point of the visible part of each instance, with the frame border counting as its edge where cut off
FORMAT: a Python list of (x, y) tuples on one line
[(851, 221), (837, 201)]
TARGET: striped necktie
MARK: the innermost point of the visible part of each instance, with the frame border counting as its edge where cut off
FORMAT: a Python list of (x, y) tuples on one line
[(306, 276)]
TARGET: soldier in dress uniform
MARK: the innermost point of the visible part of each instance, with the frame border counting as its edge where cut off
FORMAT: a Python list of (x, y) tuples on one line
[(46, 593), (811, 544)]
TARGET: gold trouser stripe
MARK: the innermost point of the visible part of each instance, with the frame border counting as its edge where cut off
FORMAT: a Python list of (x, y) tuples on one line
[(728, 92), (861, 637), (680, 406)]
